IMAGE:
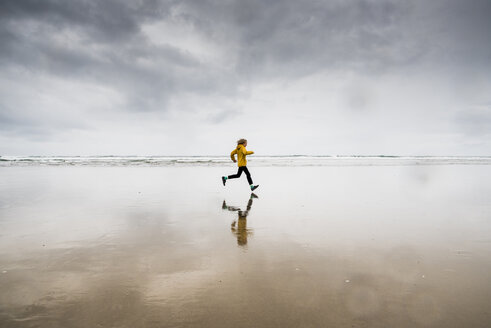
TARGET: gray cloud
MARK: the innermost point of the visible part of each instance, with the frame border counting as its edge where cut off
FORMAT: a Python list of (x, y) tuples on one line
[(36, 125), (475, 121), (171, 56), (103, 21), (265, 39), (270, 37), (292, 38), (101, 42)]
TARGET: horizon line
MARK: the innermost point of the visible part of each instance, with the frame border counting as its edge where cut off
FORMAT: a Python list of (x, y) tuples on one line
[(282, 155)]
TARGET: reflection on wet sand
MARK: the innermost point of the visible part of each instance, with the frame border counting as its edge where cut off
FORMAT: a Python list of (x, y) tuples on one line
[(239, 226), (144, 249), (287, 286)]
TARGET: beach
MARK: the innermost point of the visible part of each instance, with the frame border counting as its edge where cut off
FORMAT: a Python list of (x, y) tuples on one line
[(315, 246)]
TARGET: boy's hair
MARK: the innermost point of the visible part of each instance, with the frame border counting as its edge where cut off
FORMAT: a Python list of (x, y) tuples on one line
[(241, 141)]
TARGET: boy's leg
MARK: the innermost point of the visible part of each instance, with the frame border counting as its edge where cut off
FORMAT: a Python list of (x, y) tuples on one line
[(248, 175), (239, 173), (249, 179), (233, 176)]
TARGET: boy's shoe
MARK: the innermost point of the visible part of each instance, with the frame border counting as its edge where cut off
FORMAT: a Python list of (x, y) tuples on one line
[(254, 187), (224, 180), (253, 195)]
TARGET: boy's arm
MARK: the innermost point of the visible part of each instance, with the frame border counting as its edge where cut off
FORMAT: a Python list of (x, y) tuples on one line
[(246, 152), (232, 155)]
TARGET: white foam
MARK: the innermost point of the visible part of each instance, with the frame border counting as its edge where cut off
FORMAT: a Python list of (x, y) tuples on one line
[(252, 161)]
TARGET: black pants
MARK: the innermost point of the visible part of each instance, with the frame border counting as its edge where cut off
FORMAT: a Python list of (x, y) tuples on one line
[(239, 172)]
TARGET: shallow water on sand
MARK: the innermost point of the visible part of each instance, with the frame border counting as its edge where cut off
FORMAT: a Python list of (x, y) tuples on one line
[(363, 246)]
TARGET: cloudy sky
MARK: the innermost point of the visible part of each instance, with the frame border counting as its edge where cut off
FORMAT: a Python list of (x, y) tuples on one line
[(177, 77)]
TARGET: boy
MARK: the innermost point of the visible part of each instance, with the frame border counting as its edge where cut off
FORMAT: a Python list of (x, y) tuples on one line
[(241, 152)]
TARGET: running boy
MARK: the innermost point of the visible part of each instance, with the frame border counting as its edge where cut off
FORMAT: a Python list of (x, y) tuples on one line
[(241, 152)]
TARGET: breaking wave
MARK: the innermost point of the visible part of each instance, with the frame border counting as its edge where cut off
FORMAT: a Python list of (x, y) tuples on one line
[(292, 160)]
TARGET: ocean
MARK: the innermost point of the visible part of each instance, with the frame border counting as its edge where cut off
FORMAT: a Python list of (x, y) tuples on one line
[(287, 161)]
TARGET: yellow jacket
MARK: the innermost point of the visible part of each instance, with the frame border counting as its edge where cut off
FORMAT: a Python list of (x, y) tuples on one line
[(241, 152)]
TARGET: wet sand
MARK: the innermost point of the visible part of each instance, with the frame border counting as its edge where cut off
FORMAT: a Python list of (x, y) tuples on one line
[(398, 246)]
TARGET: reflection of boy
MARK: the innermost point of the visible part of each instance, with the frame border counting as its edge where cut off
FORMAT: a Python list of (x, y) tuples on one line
[(241, 152), (241, 230)]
